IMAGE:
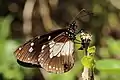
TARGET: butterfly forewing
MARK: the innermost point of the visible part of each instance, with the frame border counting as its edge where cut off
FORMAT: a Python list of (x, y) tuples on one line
[(30, 51)]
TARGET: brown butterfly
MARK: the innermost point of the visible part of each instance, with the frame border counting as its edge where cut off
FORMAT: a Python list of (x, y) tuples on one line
[(53, 52)]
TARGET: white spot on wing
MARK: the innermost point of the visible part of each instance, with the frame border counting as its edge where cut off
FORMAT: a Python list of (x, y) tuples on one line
[(50, 67), (38, 59), (43, 47), (58, 55), (56, 68), (38, 37), (49, 37), (20, 48), (32, 44), (41, 58), (66, 32), (51, 50), (28, 58), (51, 56), (41, 65), (19, 54), (31, 49), (51, 44), (53, 67), (42, 51)]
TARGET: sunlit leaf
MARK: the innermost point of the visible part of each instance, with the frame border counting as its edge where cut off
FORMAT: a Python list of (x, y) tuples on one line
[(91, 49), (87, 61)]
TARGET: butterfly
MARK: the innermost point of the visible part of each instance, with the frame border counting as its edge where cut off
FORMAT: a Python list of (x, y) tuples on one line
[(53, 51)]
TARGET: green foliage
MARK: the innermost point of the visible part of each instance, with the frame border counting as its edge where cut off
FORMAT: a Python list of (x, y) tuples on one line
[(8, 65), (109, 69), (89, 61), (113, 46), (91, 50), (108, 65)]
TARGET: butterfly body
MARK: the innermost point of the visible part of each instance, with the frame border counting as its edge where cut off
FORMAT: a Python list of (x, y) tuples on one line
[(52, 51)]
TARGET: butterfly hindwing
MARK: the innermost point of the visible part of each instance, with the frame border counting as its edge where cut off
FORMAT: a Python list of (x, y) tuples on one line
[(57, 55)]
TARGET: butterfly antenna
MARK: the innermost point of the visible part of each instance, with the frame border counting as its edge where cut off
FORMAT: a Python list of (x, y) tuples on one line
[(78, 14), (83, 10)]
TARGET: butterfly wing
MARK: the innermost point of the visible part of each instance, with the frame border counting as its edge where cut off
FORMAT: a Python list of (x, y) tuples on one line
[(53, 52), (57, 55), (29, 52)]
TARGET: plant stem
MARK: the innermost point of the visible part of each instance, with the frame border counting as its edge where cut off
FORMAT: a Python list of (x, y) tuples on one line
[(88, 73)]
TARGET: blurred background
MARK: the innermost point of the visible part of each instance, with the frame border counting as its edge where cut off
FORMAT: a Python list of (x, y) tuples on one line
[(20, 20)]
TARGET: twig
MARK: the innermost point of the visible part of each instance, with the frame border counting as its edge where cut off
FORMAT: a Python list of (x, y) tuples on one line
[(27, 17), (45, 14), (88, 73)]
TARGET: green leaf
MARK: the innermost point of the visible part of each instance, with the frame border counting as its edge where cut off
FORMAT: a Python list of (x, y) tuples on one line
[(108, 65), (88, 61), (113, 46), (91, 49)]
